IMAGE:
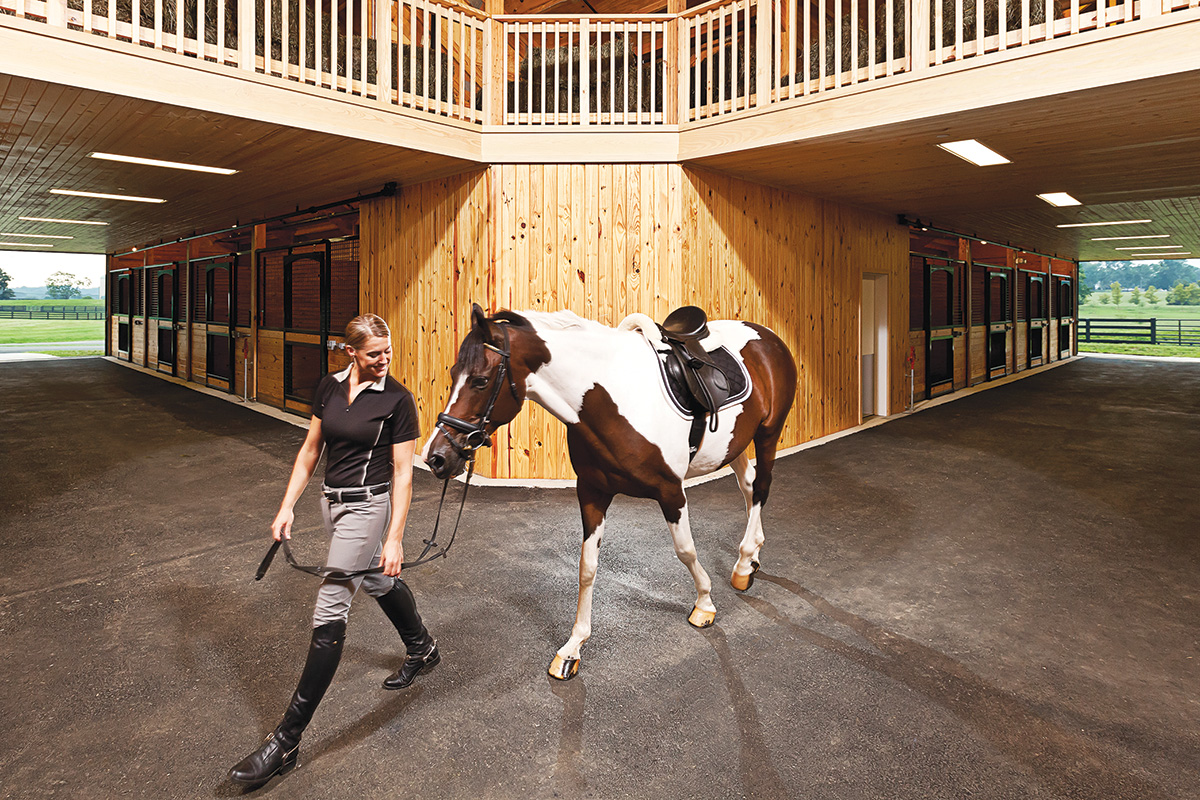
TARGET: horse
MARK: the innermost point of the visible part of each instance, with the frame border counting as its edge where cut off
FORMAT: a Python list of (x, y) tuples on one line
[(624, 434)]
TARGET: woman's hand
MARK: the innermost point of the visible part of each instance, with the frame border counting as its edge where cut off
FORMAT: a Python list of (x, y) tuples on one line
[(281, 528), (393, 556)]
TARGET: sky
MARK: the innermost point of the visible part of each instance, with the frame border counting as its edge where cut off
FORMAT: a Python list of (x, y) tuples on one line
[(31, 269)]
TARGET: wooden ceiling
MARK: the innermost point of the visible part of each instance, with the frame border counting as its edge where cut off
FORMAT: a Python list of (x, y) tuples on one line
[(47, 132), (1127, 151)]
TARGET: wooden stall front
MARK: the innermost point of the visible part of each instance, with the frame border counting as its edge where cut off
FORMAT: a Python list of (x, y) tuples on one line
[(608, 240), (258, 311), (980, 311)]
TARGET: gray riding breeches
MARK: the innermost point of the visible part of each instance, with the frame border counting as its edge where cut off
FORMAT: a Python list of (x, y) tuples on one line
[(356, 530)]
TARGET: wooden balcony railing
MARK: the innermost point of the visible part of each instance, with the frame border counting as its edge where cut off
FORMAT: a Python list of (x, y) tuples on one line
[(629, 72)]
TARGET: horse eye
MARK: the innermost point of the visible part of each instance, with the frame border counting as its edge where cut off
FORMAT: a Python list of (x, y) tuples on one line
[(479, 382)]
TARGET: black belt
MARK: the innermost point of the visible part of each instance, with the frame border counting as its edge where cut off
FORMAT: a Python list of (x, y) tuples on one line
[(356, 494)]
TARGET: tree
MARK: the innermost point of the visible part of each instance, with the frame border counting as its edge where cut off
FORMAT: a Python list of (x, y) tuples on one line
[(1116, 292), (5, 292), (1152, 295), (1082, 292), (1193, 294), (64, 286), (1135, 296), (1178, 295), (1105, 299)]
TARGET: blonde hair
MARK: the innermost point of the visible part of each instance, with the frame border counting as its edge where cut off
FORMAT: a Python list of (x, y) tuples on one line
[(363, 327)]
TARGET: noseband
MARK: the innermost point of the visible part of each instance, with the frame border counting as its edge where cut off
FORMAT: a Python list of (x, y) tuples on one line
[(476, 433)]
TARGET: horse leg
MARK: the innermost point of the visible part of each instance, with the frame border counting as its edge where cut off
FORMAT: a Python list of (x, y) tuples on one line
[(704, 612), (593, 506), (747, 563)]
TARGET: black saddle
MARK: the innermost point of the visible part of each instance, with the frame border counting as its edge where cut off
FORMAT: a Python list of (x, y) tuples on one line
[(710, 378)]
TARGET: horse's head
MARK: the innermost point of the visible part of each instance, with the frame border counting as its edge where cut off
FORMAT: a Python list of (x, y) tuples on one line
[(488, 388)]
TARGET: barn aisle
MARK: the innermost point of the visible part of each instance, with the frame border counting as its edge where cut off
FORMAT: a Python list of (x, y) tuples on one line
[(994, 598)]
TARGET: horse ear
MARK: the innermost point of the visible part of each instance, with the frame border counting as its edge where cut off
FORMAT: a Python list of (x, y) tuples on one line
[(478, 318)]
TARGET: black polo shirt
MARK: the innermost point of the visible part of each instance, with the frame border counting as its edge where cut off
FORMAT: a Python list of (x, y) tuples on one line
[(359, 435)]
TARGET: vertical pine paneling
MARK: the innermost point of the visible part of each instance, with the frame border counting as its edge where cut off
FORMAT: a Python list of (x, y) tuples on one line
[(609, 240)]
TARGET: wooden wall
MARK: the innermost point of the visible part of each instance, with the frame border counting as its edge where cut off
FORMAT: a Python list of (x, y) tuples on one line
[(608, 240)]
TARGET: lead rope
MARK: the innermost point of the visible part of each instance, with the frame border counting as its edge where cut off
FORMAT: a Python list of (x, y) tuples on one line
[(345, 575)]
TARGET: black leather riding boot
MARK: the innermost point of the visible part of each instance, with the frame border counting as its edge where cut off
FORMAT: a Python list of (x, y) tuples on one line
[(401, 608), (279, 752)]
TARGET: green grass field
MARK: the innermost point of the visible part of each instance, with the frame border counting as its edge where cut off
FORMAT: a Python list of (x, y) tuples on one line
[(80, 303), (70, 353), (1127, 310), (1160, 350), (17, 331)]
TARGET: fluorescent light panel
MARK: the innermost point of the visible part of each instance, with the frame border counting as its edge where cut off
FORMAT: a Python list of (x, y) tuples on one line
[(1157, 255), (1059, 199), (154, 162), (36, 236), (103, 196), (24, 244), (1093, 224), (63, 221), (1124, 238), (977, 153), (1155, 247)]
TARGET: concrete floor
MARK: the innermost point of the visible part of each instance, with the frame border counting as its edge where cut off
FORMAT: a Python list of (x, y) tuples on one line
[(994, 598)]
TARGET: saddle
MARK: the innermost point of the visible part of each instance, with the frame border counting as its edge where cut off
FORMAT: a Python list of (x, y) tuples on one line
[(710, 378)]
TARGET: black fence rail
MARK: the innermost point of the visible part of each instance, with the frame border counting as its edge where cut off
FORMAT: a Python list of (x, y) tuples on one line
[(49, 312), (1179, 332)]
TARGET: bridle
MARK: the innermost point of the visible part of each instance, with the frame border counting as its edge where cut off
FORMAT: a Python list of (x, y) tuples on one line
[(476, 437), (476, 433)]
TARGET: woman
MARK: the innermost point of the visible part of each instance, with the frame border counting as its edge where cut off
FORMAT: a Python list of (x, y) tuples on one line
[(368, 422)]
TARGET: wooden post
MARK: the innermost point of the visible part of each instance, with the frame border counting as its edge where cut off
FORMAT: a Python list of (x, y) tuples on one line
[(495, 79), (585, 72), (186, 286), (918, 40), (383, 51), (56, 15), (683, 70), (1151, 9), (246, 26), (109, 303), (671, 76), (762, 44), (257, 242)]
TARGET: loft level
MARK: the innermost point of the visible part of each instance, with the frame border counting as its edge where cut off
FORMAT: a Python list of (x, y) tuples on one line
[(454, 64)]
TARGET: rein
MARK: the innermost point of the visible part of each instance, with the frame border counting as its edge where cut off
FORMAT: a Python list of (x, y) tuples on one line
[(331, 573), (476, 437)]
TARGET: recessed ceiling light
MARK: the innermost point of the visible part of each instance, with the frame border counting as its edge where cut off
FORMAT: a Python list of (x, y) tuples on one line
[(63, 221), (1059, 199), (24, 244), (154, 162), (36, 236), (102, 196), (1149, 247), (1093, 224), (1123, 238), (978, 154)]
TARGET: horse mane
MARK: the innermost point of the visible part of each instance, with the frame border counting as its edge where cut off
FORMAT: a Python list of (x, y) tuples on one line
[(559, 320)]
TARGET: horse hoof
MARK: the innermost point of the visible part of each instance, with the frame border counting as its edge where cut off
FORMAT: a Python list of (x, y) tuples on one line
[(700, 618), (563, 669), (742, 582)]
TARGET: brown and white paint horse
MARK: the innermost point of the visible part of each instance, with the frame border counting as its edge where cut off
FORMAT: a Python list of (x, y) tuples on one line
[(623, 435)]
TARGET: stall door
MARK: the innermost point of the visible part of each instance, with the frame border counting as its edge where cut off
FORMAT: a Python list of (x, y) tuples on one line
[(998, 319), (1035, 318), (1064, 312), (164, 314)]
